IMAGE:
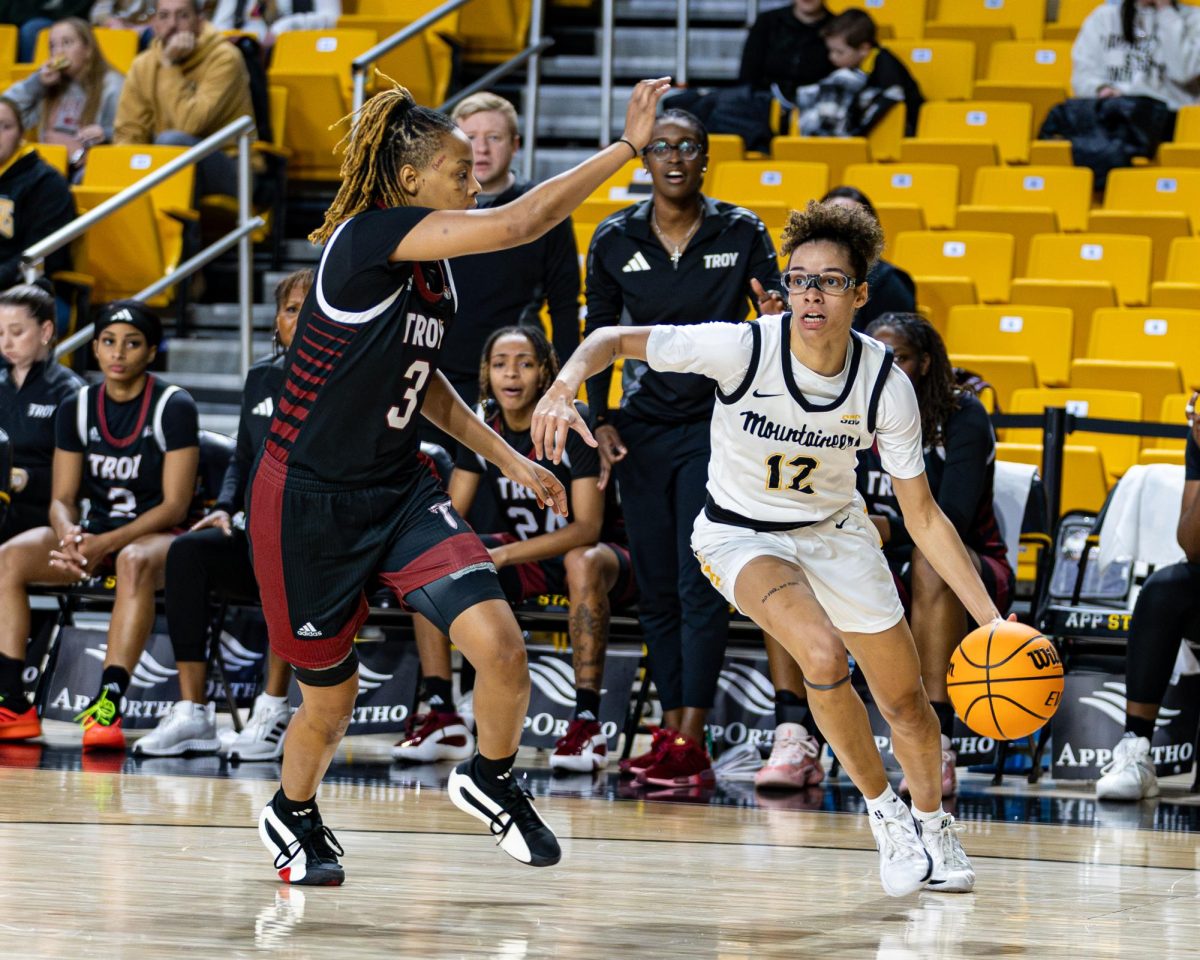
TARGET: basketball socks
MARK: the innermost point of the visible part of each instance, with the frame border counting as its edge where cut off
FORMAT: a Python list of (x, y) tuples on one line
[(587, 704), (923, 817), (114, 680), (439, 694), (888, 803), (494, 775), (945, 715), (293, 808), (12, 690), (273, 702), (1139, 726)]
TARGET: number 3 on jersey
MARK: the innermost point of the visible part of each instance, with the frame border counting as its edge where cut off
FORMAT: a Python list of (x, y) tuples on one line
[(417, 374), (798, 482)]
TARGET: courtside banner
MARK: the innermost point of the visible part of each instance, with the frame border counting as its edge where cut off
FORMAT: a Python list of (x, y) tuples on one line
[(1092, 719), (387, 687), (243, 658), (744, 707), (79, 663), (552, 694)]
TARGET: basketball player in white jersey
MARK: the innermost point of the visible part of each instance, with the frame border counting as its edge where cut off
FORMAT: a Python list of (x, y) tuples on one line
[(784, 535)]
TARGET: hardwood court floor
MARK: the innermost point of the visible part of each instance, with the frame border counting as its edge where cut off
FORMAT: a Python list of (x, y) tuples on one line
[(142, 862)]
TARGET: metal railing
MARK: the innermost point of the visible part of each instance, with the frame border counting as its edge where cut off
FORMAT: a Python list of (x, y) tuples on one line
[(751, 12), (681, 43), (607, 18), (33, 258)]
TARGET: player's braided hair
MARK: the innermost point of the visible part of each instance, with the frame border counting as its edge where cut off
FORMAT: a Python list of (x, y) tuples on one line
[(851, 228), (543, 352), (938, 394), (391, 131)]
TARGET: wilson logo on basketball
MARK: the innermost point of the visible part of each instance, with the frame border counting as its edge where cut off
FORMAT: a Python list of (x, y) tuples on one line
[(1044, 657)]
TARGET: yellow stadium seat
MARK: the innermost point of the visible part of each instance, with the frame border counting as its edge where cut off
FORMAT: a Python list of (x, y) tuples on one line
[(884, 138), (1071, 13), (1042, 333), (1005, 374), (752, 181), (1023, 223), (944, 69), (54, 154), (725, 147), (897, 218), (835, 152), (1085, 484), (1050, 153), (1183, 262), (906, 18), (1065, 190), (1082, 297), (931, 186), (1172, 189), (1122, 261), (1149, 333), (773, 214), (969, 156), (1165, 293), (8, 43), (1184, 148), (939, 295), (986, 258), (1031, 61), (633, 178), (423, 63), (321, 52), (1008, 125), (1042, 97), (981, 37), (1023, 17), (118, 46), (1119, 451), (596, 209), (1153, 380), (1153, 455), (1173, 410), (123, 253), (1161, 226), (494, 30)]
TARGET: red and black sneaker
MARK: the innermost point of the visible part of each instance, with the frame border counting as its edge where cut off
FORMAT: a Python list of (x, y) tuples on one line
[(635, 766), (684, 763), (440, 736), (18, 720), (584, 748)]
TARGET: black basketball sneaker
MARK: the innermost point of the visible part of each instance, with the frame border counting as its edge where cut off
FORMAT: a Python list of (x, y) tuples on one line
[(305, 850), (507, 809)]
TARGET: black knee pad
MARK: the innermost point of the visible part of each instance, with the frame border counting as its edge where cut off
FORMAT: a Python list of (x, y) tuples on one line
[(330, 676)]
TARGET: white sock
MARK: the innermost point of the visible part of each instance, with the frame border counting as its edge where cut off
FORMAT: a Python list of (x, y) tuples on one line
[(923, 817), (271, 701), (887, 801)]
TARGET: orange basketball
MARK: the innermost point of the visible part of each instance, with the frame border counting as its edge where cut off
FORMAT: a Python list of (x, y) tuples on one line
[(1005, 680)]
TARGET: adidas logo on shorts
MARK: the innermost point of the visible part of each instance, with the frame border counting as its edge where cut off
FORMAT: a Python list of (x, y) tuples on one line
[(636, 264), (308, 630), (264, 409)]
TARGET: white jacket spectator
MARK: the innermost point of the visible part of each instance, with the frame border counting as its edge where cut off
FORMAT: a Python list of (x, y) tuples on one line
[(1162, 61), (269, 18)]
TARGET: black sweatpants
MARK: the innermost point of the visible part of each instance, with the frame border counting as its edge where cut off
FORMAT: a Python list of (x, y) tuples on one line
[(1167, 610), (198, 563), (684, 619)]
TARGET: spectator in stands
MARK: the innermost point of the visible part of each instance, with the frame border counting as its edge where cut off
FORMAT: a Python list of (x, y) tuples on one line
[(1139, 48), (131, 449), (892, 289), (215, 555), (538, 552), (1167, 610), (186, 86), (869, 81), (32, 386), (679, 257), (72, 98), (506, 288), (34, 199), (784, 48), (266, 19), (122, 14), (42, 15)]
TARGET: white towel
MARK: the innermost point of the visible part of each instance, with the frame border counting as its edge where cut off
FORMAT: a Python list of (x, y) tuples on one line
[(1142, 518)]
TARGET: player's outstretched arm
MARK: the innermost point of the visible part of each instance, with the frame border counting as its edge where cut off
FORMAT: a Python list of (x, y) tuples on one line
[(937, 539), (555, 413), (443, 407), (454, 233)]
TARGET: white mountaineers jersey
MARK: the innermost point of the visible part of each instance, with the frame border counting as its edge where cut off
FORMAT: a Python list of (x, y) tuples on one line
[(781, 460)]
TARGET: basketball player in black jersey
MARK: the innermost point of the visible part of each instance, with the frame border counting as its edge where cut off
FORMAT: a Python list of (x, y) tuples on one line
[(130, 448), (339, 498)]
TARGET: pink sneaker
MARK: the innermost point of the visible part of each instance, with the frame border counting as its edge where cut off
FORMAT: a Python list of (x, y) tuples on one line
[(794, 762), (949, 774)]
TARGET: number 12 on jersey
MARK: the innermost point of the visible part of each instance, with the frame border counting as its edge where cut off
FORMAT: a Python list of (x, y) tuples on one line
[(804, 466)]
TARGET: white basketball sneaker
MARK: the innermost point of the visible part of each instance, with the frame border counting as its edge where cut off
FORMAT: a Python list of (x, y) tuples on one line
[(262, 736), (188, 728), (905, 866), (1130, 775), (952, 871)]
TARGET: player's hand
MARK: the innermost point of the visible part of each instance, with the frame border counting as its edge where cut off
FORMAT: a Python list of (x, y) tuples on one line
[(640, 114), (541, 482), (612, 450), (553, 418), (1105, 92), (18, 479), (219, 519), (499, 555), (79, 553), (769, 302)]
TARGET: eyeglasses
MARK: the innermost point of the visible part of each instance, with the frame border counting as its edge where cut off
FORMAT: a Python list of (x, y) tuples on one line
[(835, 284), (660, 149)]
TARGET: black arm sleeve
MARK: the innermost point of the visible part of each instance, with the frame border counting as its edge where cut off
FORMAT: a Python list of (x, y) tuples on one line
[(969, 446), (233, 484), (604, 306), (562, 288)]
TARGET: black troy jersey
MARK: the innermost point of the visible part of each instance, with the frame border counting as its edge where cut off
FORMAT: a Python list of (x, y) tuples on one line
[(366, 346), (124, 446)]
